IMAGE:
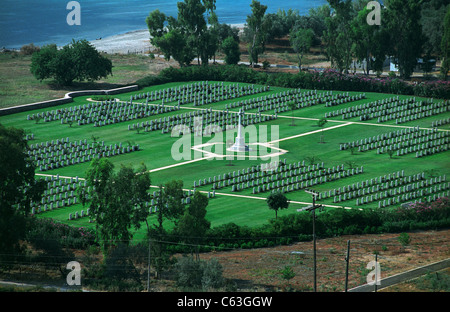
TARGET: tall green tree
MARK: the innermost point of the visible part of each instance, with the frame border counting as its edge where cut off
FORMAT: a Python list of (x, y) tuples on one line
[(445, 46), (117, 200), (338, 34), (316, 20), (169, 202), (209, 43), (225, 31), (186, 36), (277, 200), (231, 49), (432, 20), (76, 61), (370, 42), (321, 123), (256, 31), (41, 63), (281, 23), (18, 190), (402, 22), (190, 17), (301, 41), (157, 25), (193, 224), (176, 44), (169, 208)]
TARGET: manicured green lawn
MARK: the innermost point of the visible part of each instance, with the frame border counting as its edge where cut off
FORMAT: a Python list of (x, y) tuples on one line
[(302, 141)]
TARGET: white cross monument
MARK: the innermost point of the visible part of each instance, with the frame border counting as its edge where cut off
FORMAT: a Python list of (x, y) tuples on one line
[(239, 145)]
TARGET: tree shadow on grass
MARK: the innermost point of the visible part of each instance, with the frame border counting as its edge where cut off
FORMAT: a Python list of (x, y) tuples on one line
[(81, 86)]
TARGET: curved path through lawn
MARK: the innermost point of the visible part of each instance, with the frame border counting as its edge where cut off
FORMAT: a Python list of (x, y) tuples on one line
[(341, 124)]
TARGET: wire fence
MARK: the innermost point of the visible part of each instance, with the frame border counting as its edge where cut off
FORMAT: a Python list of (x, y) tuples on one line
[(255, 269)]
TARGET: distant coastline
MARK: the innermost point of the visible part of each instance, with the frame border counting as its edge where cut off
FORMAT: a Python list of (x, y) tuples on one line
[(136, 41), (129, 42)]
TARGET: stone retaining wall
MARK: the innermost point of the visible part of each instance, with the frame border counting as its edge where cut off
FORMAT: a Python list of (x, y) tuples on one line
[(68, 98)]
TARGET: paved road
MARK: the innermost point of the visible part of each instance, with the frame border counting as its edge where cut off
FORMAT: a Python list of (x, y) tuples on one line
[(404, 276)]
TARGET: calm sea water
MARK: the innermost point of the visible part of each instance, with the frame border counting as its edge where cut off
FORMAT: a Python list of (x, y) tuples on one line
[(43, 22)]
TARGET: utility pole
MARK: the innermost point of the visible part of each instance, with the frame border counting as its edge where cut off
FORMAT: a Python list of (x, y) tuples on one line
[(313, 209), (376, 271), (148, 268), (347, 259)]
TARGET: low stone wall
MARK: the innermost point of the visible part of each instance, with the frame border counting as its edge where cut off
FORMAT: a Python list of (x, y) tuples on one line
[(68, 98)]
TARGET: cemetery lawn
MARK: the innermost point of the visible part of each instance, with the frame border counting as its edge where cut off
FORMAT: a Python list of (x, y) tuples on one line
[(299, 135)]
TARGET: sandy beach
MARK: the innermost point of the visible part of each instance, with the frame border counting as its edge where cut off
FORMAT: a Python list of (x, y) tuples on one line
[(137, 41)]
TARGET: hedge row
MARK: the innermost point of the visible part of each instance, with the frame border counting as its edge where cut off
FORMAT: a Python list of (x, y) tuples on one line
[(46, 232), (331, 223), (316, 80)]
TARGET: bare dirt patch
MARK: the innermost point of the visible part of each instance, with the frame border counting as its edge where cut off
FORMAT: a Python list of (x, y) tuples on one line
[(260, 269)]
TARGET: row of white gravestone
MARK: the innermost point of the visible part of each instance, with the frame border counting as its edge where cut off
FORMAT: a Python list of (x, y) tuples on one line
[(282, 100), (424, 188), (304, 176), (295, 175), (298, 182), (55, 202), (276, 98), (391, 110), (165, 94), (82, 214), (431, 151), (186, 118), (422, 146), (65, 153), (394, 137), (260, 171), (208, 92), (383, 182), (286, 188), (58, 194), (365, 107), (389, 185), (71, 147), (104, 113), (385, 200), (201, 86), (440, 122), (411, 115), (212, 97), (400, 117), (153, 204), (334, 101), (412, 197), (29, 136), (425, 142), (61, 192), (221, 121)]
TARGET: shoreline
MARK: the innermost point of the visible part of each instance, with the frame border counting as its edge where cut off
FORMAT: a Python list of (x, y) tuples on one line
[(134, 41)]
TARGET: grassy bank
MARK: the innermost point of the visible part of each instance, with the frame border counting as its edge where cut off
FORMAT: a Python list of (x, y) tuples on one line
[(18, 86)]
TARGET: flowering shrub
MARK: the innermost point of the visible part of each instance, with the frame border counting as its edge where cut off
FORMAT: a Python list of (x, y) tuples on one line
[(439, 89), (329, 79), (68, 236), (436, 210), (334, 80)]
